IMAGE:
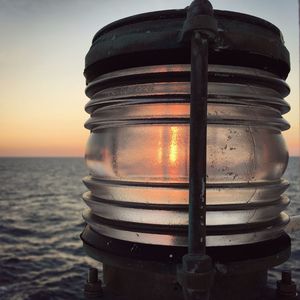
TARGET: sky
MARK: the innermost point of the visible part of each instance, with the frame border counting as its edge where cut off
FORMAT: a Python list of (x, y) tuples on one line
[(43, 45)]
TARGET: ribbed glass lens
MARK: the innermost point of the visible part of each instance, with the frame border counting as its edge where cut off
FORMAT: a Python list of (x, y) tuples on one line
[(138, 155), (159, 153)]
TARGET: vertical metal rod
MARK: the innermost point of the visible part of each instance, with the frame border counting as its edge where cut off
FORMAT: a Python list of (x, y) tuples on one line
[(198, 136)]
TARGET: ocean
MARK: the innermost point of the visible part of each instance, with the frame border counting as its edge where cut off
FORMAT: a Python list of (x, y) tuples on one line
[(41, 254)]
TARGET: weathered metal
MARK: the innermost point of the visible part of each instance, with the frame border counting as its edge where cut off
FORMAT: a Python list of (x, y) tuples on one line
[(165, 258), (93, 286), (154, 39), (196, 273), (198, 138), (136, 271), (286, 287)]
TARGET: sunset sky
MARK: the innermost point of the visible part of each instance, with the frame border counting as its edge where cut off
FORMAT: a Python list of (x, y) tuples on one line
[(43, 45)]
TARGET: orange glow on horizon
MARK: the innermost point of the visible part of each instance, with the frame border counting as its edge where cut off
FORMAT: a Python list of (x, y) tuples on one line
[(42, 60)]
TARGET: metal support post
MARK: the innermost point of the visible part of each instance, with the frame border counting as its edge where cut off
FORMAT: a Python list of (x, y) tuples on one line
[(196, 273)]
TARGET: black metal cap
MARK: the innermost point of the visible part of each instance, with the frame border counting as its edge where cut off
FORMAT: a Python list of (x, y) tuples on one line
[(154, 39), (200, 18)]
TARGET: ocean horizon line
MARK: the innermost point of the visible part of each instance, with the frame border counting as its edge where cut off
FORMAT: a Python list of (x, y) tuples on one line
[(70, 156), (62, 156)]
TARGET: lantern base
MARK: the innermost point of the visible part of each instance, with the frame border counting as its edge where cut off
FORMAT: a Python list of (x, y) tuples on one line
[(120, 288), (139, 271), (123, 284), (156, 257), (146, 285)]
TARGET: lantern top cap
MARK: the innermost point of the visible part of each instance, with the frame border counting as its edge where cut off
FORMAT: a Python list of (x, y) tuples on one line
[(181, 13), (154, 39)]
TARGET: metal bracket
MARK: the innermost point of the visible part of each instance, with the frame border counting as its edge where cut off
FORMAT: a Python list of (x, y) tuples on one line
[(200, 18)]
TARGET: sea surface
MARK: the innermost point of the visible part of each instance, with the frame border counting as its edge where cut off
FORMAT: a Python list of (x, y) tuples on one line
[(41, 254)]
